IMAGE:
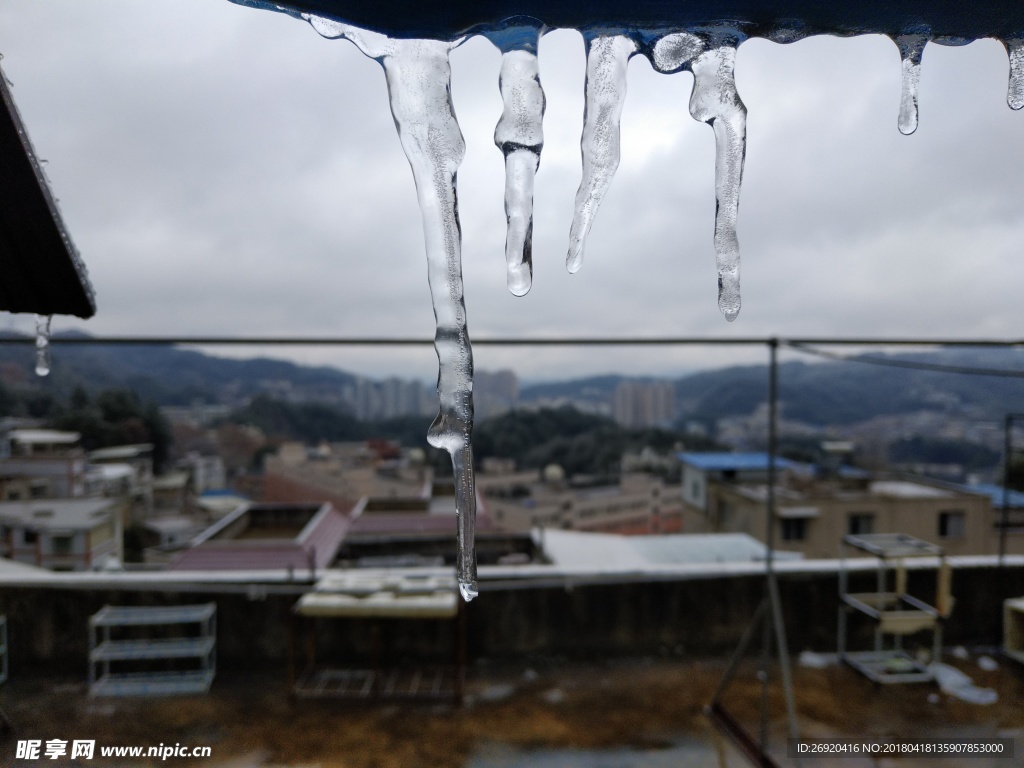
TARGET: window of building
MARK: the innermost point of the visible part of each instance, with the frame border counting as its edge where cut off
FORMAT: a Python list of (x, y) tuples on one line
[(30, 537), (60, 545), (860, 523), (794, 528), (952, 525)]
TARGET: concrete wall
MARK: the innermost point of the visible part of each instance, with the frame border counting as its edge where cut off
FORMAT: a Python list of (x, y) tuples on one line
[(697, 617)]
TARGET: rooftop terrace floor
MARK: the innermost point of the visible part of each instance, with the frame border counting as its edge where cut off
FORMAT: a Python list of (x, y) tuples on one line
[(546, 714)]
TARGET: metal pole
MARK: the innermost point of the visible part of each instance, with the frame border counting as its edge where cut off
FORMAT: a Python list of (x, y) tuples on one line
[(781, 644), (773, 396), (1007, 428)]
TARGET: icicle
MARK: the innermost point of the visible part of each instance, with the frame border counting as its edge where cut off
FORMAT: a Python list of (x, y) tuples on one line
[(715, 101), (605, 94), (419, 88), (911, 49), (520, 137), (1015, 93), (676, 51), (43, 344)]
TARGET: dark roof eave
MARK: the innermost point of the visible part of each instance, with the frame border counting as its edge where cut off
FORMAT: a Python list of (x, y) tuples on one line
[(40, 270)]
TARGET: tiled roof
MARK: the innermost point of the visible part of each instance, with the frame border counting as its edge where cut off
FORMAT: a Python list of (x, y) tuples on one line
[(319, 543)]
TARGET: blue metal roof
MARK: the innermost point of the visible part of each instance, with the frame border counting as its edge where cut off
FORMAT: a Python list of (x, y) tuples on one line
[(739, 462), (1015, 499)]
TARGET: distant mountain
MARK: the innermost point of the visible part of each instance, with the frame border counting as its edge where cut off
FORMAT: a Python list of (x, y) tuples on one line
[(854, 390), (592, 388), (834, 392), (818, 393), (170, 375)]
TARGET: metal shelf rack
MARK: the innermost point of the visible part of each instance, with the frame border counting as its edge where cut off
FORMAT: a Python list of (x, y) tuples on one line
[(104, 650), (894, 612)]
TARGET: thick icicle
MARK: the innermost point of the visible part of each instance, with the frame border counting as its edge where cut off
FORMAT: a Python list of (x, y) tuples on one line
[(43, 344), (605, 94), (1015, 93), (419, 88), (715, 101), (911, 49), (520, 137)]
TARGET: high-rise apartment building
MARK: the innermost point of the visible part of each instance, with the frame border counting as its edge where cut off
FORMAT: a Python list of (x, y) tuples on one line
[(639, 404)]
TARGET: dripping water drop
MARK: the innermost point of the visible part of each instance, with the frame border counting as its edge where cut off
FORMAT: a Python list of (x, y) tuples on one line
[(43, 344)]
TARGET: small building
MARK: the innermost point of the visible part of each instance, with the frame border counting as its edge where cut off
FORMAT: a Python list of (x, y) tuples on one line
[(41, 463), (60, 534), (206, 472), (637, 503), (171, 493), (127, 471), (343, 473), (702, 469), (814, 509)]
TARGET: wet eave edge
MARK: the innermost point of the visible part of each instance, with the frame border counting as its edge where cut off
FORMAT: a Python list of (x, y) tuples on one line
[(40, 269), (952, 21)]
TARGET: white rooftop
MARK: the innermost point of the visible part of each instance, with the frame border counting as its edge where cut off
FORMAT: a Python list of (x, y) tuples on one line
[(121, 452), (173, 524), (905, 489), (112, 471), (612, 552), (44, 437), (52, 514), (13, 568), (221, 504)]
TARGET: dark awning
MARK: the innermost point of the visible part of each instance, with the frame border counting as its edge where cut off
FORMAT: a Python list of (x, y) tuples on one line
[(40, 270), (1003, 19)]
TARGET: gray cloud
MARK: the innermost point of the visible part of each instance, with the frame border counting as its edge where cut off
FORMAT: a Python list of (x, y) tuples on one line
[(226, 171)]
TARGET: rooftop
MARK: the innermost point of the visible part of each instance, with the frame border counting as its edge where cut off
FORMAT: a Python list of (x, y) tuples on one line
[(1014, 499), (57, 513), (539, 713), (44, 437), (282, 536), (121, 452), (610, 552), (739, 462), (905, 489)]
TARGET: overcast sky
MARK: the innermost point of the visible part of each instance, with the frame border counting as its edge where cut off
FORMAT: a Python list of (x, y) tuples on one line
[(226, 171)]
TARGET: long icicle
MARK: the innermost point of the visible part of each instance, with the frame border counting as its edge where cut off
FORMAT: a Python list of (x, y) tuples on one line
[(1015, 90), (911, 50), (715, 101), (419, 89), (605, 95), (520, 137)]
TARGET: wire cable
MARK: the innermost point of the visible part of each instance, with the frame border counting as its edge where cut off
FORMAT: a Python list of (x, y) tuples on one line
[(906, 364)]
